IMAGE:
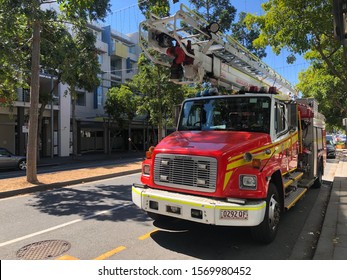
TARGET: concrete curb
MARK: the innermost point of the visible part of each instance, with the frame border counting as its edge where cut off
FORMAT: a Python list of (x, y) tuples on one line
[(325, 246), (44, 187), (329, 246), (322, 241)]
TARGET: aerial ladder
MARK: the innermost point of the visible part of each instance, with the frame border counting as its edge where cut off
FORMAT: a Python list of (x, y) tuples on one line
[(203, 54)]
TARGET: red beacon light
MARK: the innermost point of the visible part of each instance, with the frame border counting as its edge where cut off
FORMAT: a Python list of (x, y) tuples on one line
[(253, 89), (273, 90)]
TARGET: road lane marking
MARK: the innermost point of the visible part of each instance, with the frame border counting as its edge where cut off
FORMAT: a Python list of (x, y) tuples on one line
[(64, 225), (110, 253), (145, 236), (66, 257)]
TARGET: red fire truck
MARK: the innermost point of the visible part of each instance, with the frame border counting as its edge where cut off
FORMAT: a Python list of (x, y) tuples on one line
[(235, 160)]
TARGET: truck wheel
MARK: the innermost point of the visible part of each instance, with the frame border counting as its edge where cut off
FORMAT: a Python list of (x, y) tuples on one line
[(319, 180), (266, 231)]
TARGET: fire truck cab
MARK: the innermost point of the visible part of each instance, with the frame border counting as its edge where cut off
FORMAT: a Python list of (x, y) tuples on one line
[(236, 160)]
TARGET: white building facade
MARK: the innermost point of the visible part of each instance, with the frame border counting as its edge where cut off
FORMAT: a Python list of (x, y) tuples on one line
[(118, 55)]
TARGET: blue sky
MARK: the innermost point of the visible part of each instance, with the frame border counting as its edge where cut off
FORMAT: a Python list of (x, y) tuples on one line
[(125, 18)]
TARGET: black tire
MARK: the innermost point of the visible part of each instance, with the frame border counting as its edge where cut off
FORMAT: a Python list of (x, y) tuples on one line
[(22, 165), (319, 180), (266, 231)]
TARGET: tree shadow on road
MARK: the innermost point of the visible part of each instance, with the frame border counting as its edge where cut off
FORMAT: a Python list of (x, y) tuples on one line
[(88, 201)]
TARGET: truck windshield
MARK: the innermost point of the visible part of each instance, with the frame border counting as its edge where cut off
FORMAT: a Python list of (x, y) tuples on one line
[(231, 113)]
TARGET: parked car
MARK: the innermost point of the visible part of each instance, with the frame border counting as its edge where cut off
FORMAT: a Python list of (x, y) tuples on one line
[(10, 161), (332, 138), (341, 138), (331, 149)]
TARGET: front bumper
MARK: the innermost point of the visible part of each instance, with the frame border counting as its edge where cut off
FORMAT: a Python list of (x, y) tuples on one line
[(198, 209)]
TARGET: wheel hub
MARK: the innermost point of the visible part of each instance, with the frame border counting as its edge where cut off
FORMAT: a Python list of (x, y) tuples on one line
[(274, 212)]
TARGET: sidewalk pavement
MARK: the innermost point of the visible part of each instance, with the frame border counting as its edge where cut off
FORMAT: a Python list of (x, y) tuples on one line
[(332, 243), (91, 157), (80, 169)]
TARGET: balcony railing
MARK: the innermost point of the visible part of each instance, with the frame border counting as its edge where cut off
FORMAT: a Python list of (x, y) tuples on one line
[(24, 96)]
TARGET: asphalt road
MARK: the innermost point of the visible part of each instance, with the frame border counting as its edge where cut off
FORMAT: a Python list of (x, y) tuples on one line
[(97, 220)]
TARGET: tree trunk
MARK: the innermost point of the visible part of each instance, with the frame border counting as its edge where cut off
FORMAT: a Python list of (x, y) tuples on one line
[(44, 101), (74, 128), (160, 131), (39, 126), (34, 103)]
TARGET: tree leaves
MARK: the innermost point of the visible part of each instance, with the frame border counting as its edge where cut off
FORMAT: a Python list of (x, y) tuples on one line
[(305, 27)]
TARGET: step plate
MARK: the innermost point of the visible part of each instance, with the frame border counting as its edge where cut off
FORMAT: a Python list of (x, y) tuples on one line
[(294, 177), (294, 197)]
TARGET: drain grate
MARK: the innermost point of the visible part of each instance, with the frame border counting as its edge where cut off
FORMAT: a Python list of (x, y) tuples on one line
[(43, 250)]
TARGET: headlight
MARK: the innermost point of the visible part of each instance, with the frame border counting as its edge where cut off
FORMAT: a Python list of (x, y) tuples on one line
[(146, 169), (248, 182)]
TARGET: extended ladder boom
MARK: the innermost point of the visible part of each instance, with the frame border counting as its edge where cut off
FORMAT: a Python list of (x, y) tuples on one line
[(205, 53)]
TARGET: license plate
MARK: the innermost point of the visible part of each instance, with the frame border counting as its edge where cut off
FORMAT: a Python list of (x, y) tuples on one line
[(234, 214)]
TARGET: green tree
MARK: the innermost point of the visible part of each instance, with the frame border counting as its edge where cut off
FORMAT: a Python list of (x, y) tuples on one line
[(30, 16), (246, 36), (305, 27), (70, 60), (160, 8), (14, 53), (220, 11), (83, 59), (159, 95), (120, 106), (319, 82)]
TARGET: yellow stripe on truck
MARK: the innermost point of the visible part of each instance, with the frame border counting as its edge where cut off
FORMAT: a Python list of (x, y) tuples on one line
[(238, 161)]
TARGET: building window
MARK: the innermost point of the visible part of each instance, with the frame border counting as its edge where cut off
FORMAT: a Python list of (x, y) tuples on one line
[(98, 97), (130, 65), (132, 49), (100, 59), (116, 67), (81, 98)]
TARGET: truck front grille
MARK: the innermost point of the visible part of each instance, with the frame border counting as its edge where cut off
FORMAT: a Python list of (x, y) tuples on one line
[(188, 172)]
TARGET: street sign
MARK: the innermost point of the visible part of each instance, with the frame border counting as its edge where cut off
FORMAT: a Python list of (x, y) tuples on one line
[(25, 129)]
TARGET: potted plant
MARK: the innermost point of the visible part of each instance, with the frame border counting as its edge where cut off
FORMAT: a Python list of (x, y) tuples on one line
[(340, 145)]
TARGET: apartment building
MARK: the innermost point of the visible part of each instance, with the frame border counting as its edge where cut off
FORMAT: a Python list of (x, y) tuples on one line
[(118, 55)]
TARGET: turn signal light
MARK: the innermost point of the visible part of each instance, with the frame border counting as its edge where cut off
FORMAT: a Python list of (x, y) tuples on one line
[(256, 163)]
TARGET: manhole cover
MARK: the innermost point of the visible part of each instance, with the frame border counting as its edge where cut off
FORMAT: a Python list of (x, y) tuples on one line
[(43, 250)]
